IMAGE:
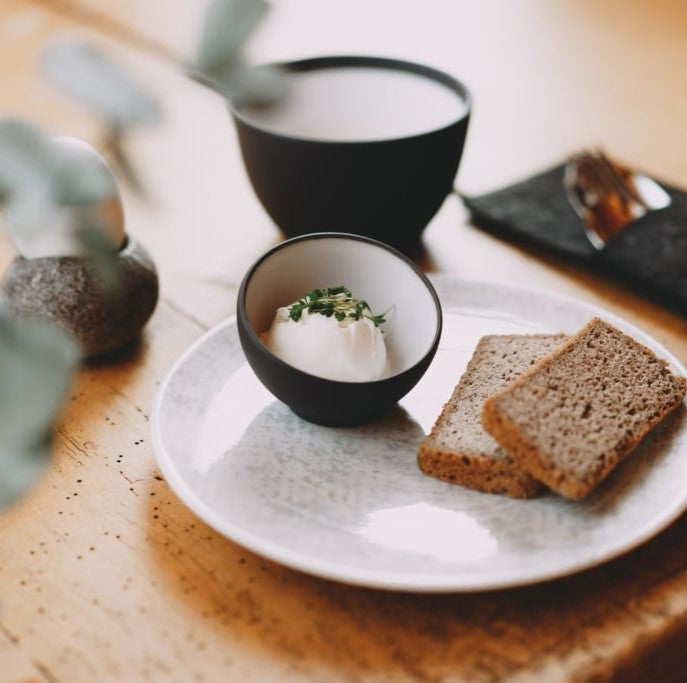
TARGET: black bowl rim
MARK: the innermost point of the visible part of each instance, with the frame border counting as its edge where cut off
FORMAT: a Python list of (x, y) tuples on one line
[(242, 314), (312, 63)]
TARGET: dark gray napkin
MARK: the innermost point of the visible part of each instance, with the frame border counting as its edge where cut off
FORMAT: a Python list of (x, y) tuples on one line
[(649, 256)]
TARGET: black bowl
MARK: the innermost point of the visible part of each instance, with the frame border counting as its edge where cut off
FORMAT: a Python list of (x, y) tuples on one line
[(387, 188), (371, 270)]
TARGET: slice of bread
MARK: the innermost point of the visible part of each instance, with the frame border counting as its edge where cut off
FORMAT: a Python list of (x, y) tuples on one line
[(458, 449), (574, 416)]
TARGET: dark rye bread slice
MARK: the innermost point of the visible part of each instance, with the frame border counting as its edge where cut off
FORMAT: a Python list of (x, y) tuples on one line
[(574, 416), (458, 449)]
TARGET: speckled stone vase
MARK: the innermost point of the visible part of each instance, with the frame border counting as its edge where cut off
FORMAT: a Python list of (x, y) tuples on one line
[(70, 292)]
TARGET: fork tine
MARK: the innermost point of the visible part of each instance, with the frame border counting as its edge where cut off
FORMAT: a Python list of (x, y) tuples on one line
[(595, 166), (597, 197), (607, 196), (622, 178)]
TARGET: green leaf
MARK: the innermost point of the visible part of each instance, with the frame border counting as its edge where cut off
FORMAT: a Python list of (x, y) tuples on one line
[(226, 27), (27, 168), (103, 258), (334, 301), (86, 73), (29, 157), (25, 153), (45, 184), (244, 85), (123, 164), (219, 62), (37, 362), (79, 180)]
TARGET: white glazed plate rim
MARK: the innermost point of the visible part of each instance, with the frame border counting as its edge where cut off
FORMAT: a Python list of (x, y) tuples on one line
[(487, 308)]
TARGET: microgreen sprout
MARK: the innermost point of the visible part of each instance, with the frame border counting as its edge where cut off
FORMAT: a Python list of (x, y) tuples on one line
[(334, 301)]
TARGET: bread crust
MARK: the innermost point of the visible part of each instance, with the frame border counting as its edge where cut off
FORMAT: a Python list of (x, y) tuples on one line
[(457, 449), (478, 472), (625, 425)]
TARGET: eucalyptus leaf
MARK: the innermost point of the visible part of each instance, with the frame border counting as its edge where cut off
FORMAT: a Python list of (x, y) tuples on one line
[(37, 362), (27, 170), (49, 187), (28, 156), (25, 156), (86, 73), (243, 84), (124, 166), (104, 259), (80, 179), (226, 27), (219, 64)]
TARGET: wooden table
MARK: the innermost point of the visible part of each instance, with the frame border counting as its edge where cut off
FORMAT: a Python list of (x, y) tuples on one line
[(106, 576)]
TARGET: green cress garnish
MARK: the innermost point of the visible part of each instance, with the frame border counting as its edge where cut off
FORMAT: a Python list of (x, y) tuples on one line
[(334, 301)]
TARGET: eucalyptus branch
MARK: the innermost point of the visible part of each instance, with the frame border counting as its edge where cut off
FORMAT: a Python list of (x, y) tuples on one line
[(85, 72), (38, 183)]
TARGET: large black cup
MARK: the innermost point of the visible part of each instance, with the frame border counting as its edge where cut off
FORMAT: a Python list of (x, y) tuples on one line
[(386, 189)]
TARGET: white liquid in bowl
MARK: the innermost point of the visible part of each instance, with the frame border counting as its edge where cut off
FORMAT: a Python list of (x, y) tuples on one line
[(361, 103)]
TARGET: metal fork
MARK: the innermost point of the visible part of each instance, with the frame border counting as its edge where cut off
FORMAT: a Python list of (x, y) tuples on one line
[(608, 196)]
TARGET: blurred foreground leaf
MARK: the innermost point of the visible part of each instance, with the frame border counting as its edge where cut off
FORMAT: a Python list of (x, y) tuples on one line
[(219, 64), (42, 185), (37, 362), (103, 259), (122, 163), (27, 169), (78, 180), (242, 84), (86, 73), (226, 27)]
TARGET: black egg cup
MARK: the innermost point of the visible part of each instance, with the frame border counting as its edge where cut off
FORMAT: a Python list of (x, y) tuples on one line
[(375, 271)]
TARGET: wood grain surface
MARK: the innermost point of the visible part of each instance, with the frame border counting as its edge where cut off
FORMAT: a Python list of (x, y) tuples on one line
[(106, 576)]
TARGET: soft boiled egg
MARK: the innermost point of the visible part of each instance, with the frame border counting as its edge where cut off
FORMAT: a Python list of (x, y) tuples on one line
[(345, 350)]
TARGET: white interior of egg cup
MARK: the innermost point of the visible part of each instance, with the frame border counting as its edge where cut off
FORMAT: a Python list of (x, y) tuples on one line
[(373, 272)]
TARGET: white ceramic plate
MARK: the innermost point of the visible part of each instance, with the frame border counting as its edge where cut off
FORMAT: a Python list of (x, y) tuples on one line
[(350, 504)]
